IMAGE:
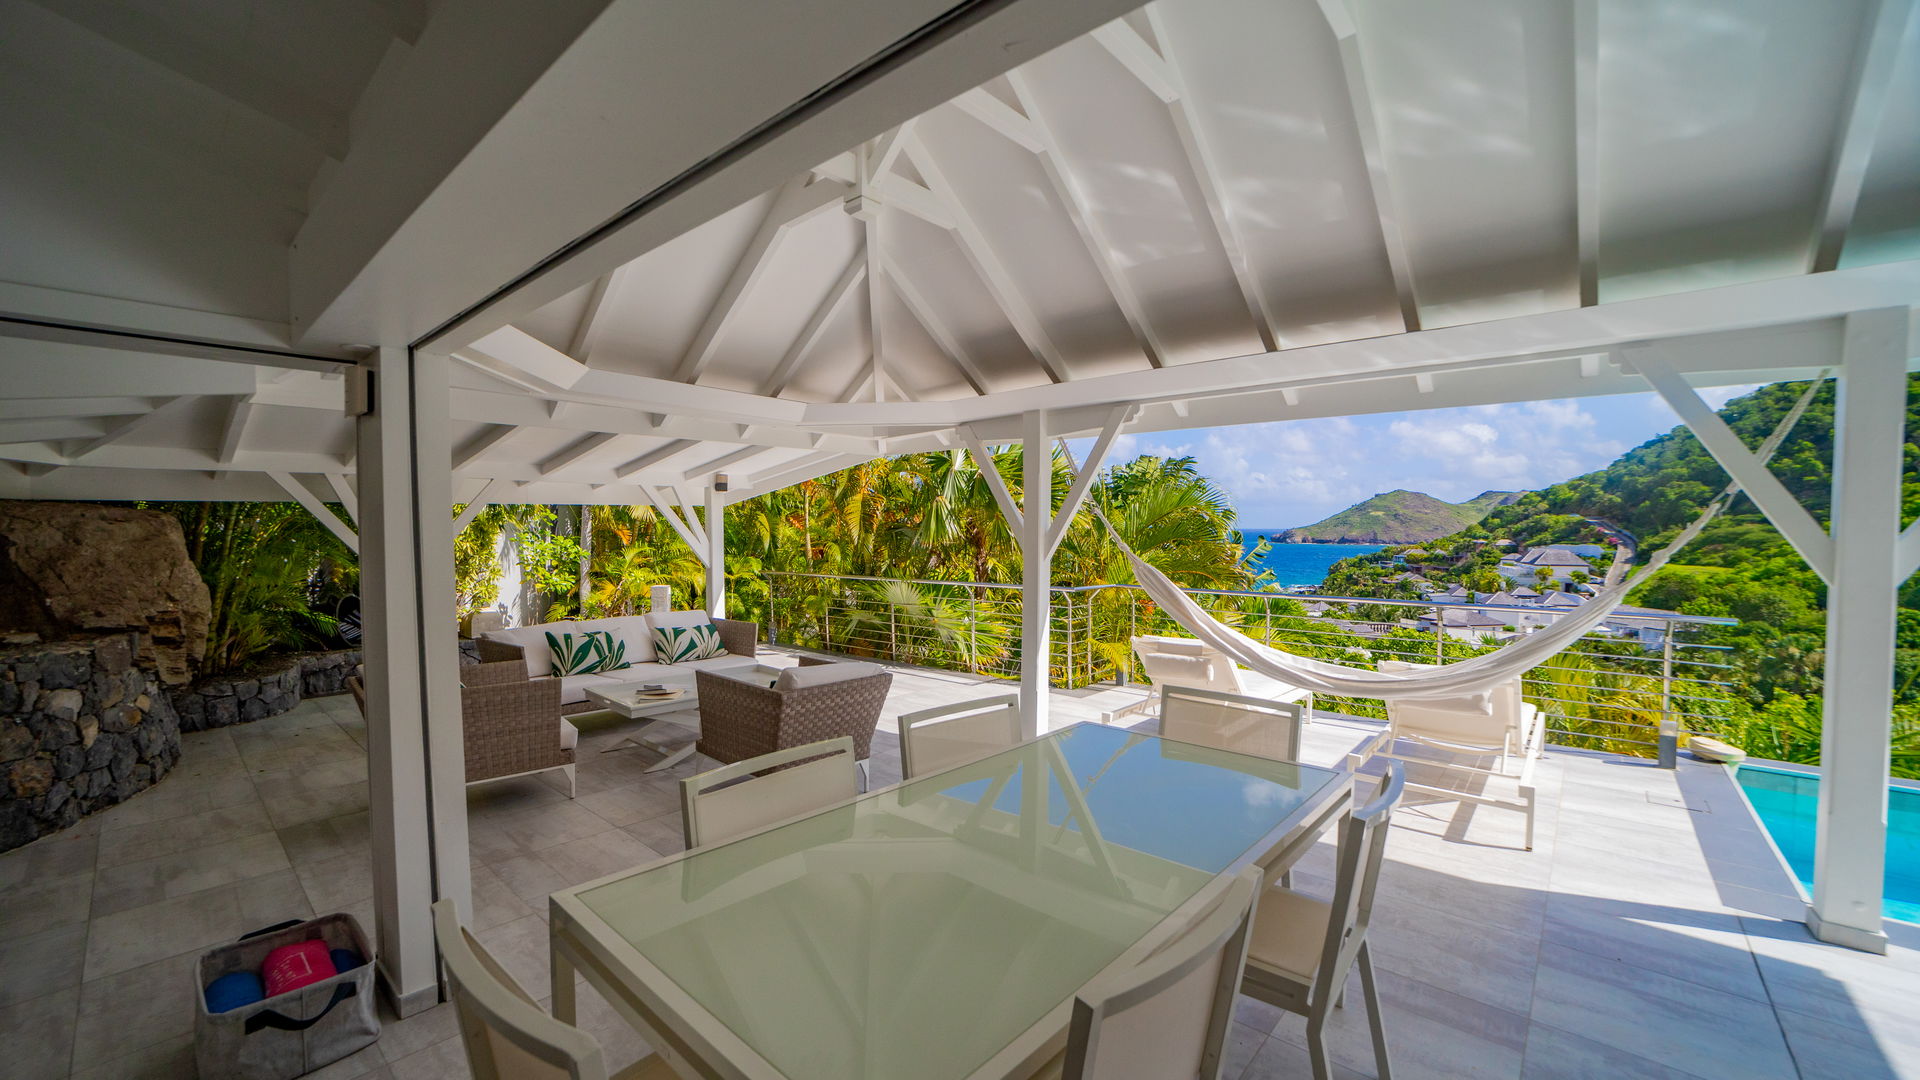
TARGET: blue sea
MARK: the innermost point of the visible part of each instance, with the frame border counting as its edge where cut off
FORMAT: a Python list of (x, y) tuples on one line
[(1303, 564)]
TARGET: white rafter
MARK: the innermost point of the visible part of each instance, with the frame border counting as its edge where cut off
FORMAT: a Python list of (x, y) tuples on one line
[(305, 497), (482, 444), (1161, 75), (1083, 480), (593, 322), (796, 355), (125, 426), (997, 484), (1885, 35), (1002, 117), (723, 462), (1756, 480), (986, 262), (796, 202), (659, 456), (1586, 146), (344, 494), (688, 528), (233, 429), (1367, 122), (936, 328), (1092, 233), (479, 502), (575, 452)]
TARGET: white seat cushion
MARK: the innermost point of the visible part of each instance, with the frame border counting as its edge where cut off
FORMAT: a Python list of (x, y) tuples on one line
[(569, 735), (795, 678), (573, 688)]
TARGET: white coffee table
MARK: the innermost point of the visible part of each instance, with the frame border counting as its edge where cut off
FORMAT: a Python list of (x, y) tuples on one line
[(619, 700)]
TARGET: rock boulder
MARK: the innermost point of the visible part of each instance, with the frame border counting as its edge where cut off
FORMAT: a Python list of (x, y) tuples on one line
[(71, 569)]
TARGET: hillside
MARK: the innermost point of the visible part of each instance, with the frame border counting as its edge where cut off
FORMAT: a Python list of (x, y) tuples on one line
[(1740, 566), (1397, 517)]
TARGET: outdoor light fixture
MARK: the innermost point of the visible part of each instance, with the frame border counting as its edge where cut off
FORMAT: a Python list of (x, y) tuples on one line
[(719, 481)]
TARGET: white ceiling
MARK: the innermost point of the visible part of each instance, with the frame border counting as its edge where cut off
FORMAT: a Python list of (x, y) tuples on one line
[(1274, 189)]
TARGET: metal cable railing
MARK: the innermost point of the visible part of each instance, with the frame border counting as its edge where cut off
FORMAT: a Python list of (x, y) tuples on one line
[(1614, 690)]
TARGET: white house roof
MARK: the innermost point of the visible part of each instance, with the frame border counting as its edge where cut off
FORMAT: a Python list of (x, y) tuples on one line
[(1552, 556), (1208, 211)]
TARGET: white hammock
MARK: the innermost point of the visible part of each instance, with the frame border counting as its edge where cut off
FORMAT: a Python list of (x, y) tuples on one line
[(1462, 678)]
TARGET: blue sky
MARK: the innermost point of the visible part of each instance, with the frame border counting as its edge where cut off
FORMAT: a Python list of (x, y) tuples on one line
[(1296, 472)]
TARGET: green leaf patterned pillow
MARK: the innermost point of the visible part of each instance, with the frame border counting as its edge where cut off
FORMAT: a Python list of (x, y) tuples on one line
[(679, 644), (586, 652)]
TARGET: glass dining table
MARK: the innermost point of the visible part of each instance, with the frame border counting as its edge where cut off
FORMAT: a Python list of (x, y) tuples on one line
[(939, 928)]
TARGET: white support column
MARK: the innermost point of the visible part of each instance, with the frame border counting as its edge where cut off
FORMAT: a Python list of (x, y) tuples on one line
[(415, 761), (716, 559), (1849, 875), (1036, 573)]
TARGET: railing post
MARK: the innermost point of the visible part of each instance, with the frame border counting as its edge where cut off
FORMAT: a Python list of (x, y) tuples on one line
[(973, 641), (1439, 635), (1669, 726)]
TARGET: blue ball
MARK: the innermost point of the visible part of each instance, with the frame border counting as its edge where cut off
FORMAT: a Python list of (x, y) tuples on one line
[(230, 992), (345, 959)]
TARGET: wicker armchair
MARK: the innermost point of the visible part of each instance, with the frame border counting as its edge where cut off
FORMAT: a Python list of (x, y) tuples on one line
[(512, 724), (739, 719)]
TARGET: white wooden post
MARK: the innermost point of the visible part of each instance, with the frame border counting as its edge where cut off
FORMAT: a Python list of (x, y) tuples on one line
[(1036, 572), (1849, 875), (716, 556), (415, 761)]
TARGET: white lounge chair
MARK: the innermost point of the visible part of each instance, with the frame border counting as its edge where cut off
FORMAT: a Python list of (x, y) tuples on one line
[(1507, 728), (1190, 662)]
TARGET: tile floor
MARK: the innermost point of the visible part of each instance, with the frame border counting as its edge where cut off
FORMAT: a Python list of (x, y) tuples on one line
[(1649, 934)]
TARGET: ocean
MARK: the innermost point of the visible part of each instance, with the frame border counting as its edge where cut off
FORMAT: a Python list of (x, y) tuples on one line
[(1303, 564)]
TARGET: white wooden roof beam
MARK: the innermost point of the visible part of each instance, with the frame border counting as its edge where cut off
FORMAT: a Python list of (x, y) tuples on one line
[(344, 494), (305, 497), (937, 329), (24, 408), (480, 501), (836, 299), (126, 426), (233, 428), (1164, 81), (1092, 233), (660, 457), (575, 452), (796, 202), (988, 265), (522, 353), (1367, 122), (1886, 34), (606, 292), (483, 444), (1586, 146), (723, 462)]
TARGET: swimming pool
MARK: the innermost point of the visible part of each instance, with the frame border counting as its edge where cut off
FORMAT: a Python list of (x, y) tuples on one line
[(1786, 801)]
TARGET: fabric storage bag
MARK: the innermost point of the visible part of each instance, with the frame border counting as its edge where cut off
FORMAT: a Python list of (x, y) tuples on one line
[(289, 1034)]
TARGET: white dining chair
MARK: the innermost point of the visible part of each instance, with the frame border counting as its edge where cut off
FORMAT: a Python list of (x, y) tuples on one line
[(949, 735), (506, 1034), (726, 802), (1227, 721), (1167, 1016), (1302, 949)]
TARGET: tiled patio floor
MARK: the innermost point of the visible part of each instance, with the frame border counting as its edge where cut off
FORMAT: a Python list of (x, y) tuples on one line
[(1642, 938)]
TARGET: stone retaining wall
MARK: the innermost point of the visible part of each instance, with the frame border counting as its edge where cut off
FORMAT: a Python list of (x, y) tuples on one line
[(266, 691), (81, 728)]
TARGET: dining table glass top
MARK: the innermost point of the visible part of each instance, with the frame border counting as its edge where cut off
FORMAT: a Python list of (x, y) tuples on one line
[(918, 930)]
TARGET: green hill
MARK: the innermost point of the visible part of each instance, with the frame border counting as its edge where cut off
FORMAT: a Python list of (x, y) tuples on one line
[(1740, 566), (1397, 517)]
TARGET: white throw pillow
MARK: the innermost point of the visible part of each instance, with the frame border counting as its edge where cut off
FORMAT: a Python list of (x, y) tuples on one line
[(795, 678), (1477, 703)]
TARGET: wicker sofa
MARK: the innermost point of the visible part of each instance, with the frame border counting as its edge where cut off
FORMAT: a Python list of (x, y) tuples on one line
[(529, 644), (511, 725), (740, 719)]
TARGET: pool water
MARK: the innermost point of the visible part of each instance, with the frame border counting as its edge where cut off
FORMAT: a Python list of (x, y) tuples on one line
[(1787, 801)]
